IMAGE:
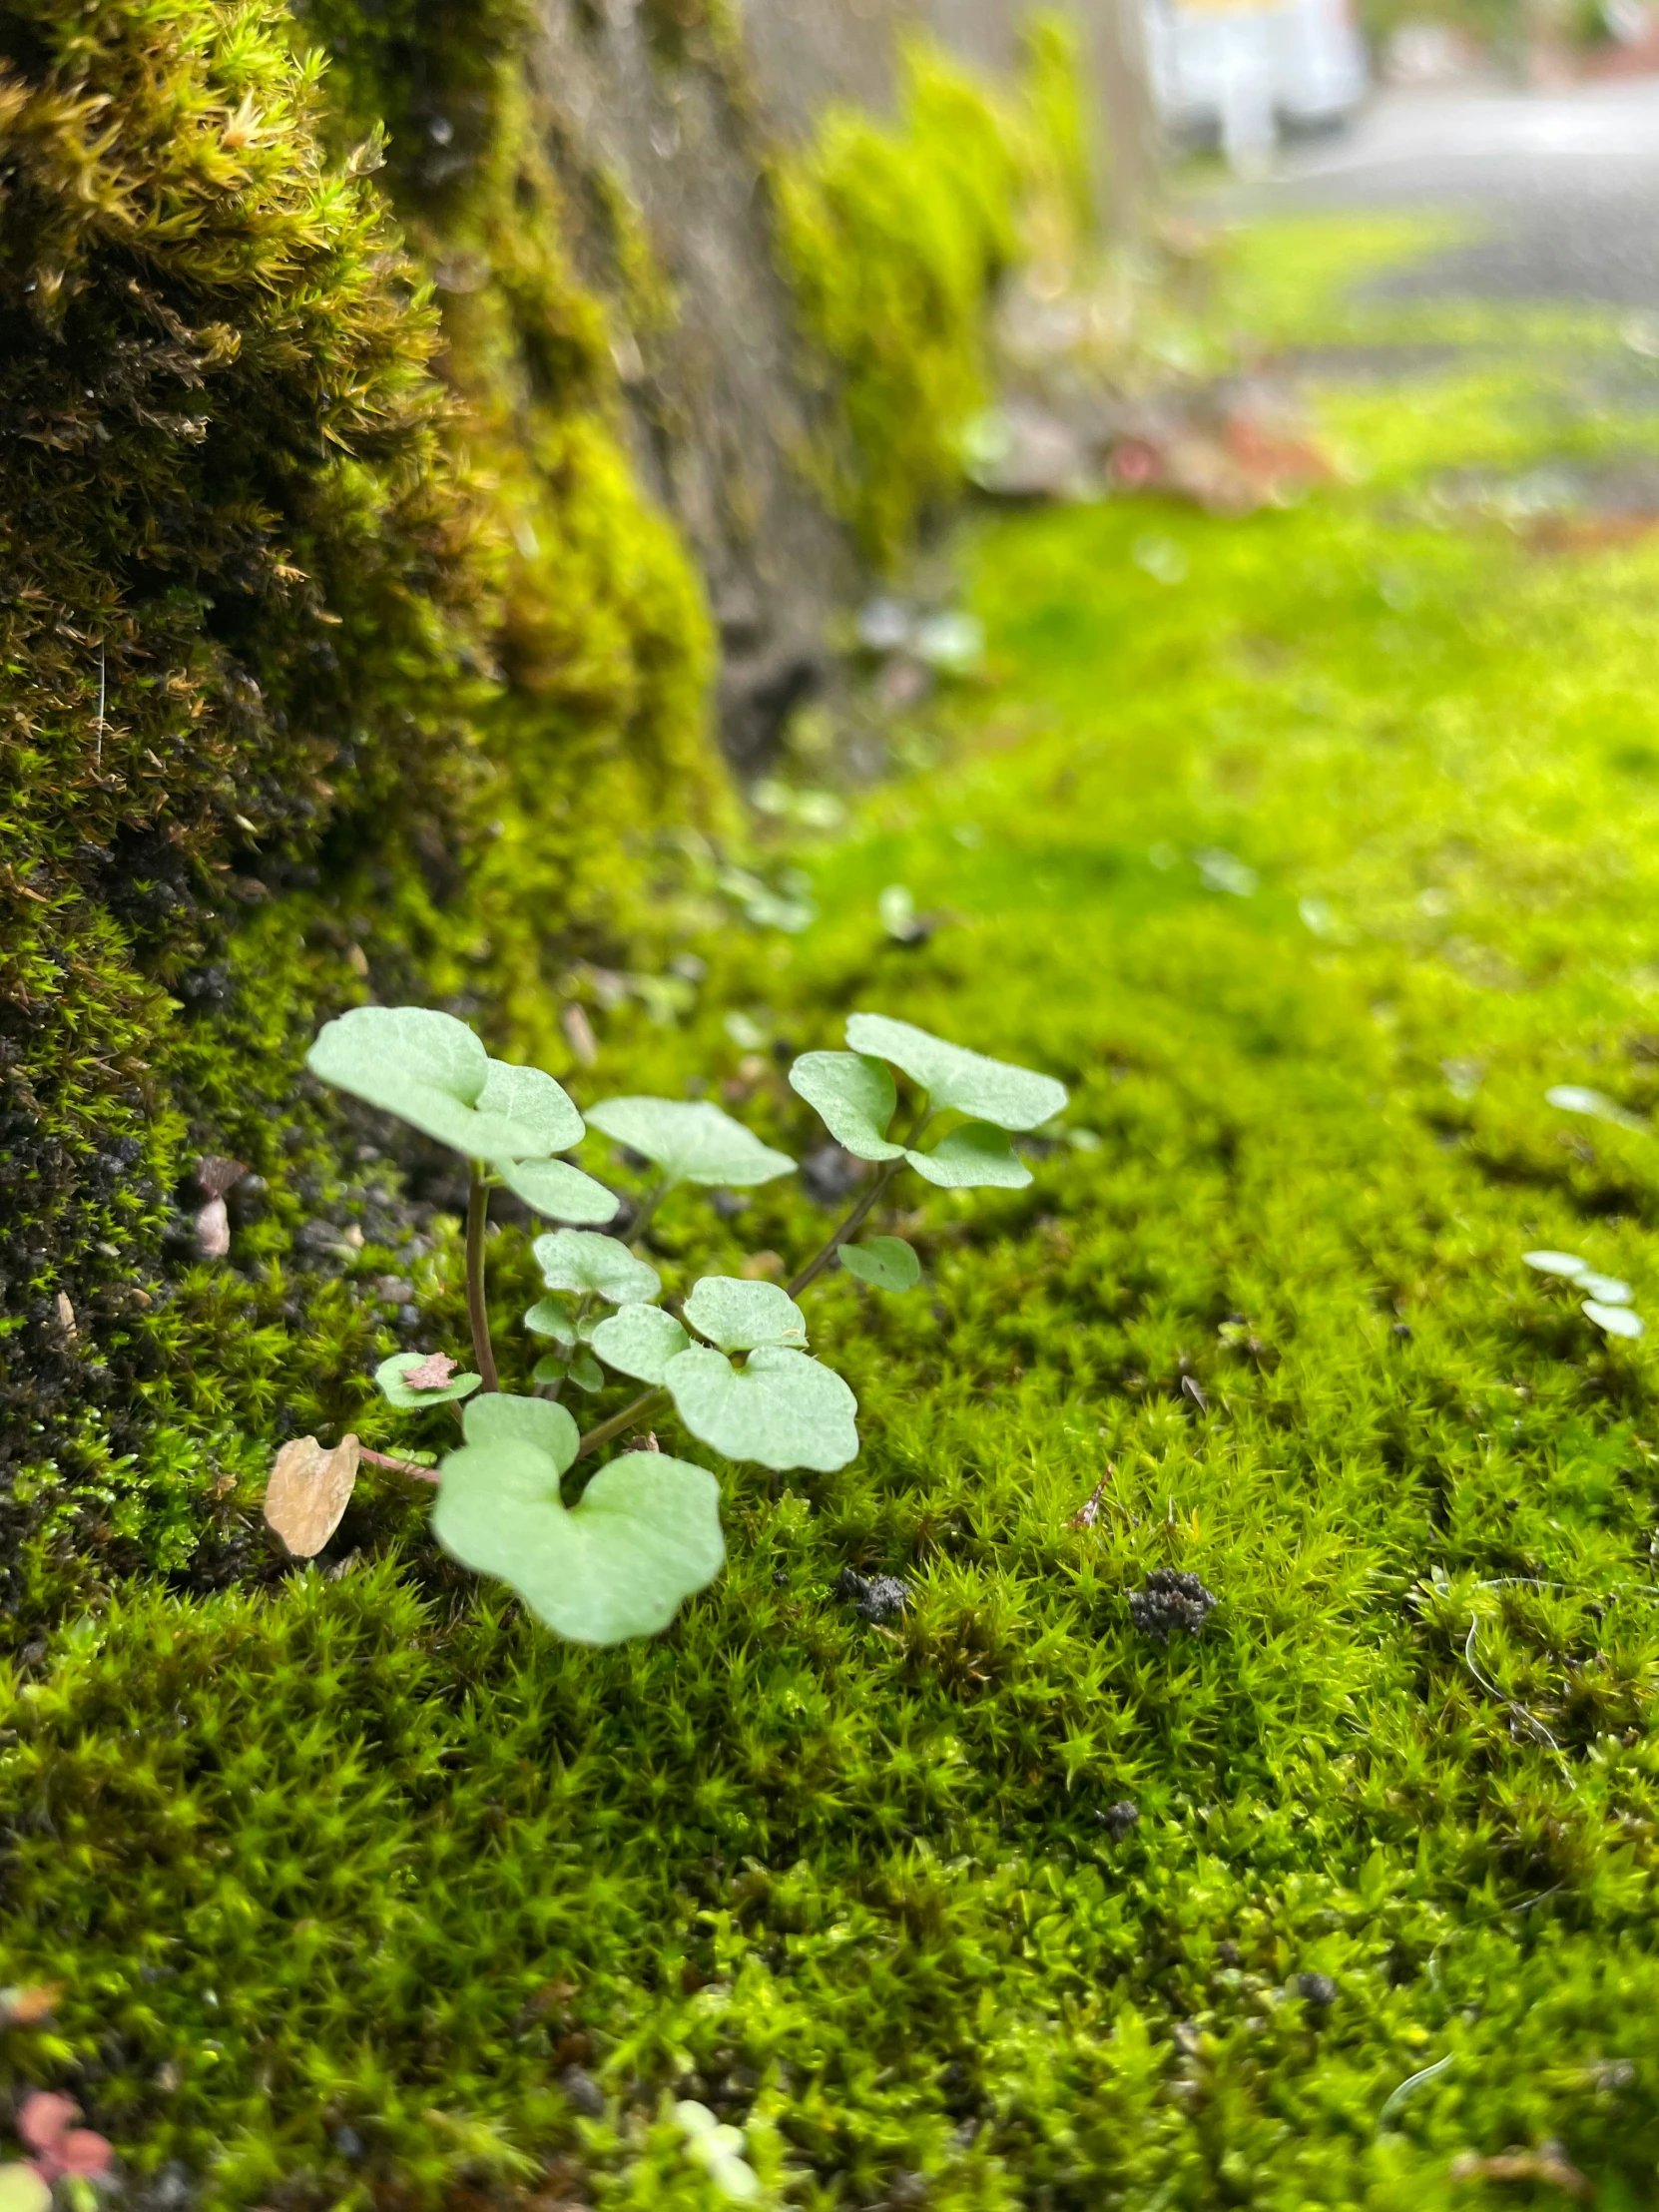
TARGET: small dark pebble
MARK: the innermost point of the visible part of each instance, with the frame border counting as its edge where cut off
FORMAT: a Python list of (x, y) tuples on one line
[(1315, 1988), (1229, 1955), (876, 1597), (780, 1578), (583, 2091), (1119, 1819), (1403, 1332), (730, 1203), (1170, 1600), (829, 1174), (348, 2142)]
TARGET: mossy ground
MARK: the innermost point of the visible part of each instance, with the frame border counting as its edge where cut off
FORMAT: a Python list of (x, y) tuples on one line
[(340, 1870)]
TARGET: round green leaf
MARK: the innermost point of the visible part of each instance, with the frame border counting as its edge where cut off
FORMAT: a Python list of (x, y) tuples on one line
[(586, 1372), (854, 1097), (556, 1189), (22, 2189), (691, 1141), (973, 1157), (577, 1260), (645, 1536), (781, 1408), (554, 1367), (530, 1097), (885, 1263), (1618, 1320), (431, 1071), (965, 1082), (639, 1340), (500, 1418), (1557, 1263), (552, 1317), (390, 1373), (738, 1315)]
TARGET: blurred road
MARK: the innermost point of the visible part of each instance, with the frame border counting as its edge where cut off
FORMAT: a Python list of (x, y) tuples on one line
[(1567, 184)]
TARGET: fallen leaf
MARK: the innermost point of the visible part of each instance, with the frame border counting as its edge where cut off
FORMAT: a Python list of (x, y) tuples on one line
[(29, 2002), (213, 1230), (1547, 2163), (216, 1175), (432, 1372), (308, 1493), (44, 2118), (66, 1316), (573, 1020)]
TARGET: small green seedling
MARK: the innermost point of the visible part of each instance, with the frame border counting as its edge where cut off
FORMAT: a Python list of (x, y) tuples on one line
[(719, 2150), (1606, 1300), (734, 1361)]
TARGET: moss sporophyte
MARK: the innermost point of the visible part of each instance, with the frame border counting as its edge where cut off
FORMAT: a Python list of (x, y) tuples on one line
[(645, 1531)]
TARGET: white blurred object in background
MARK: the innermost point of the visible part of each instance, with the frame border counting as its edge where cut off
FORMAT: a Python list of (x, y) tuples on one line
[(1237, 72)]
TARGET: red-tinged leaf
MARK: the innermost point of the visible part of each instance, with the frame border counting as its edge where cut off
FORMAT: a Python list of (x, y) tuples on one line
[(45, 2117), (84, 2153), (431, 1375)]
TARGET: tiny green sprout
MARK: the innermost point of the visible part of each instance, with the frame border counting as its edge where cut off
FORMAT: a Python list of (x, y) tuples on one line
[(885, 1263), (717, 2148), (733, 1361), (1606, 1298)]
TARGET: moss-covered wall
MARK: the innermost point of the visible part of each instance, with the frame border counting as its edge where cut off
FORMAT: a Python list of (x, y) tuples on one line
[(408, 409)]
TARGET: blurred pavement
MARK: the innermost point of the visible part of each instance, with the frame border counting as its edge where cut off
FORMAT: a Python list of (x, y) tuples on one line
[(1565, 184)]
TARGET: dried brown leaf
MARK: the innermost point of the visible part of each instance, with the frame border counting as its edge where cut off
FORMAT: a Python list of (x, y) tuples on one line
[(213, 1230), (308, 1491), (1548, 2163), (432, 1372)]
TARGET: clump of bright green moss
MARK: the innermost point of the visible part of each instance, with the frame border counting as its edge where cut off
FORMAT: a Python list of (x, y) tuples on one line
[(1004, 1903)]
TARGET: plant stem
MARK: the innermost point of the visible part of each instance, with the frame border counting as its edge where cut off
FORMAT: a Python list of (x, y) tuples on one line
[(866, 1205), (642, 1220), (618, 1421), (837, 1235), (398, 1466), (478, 1309)]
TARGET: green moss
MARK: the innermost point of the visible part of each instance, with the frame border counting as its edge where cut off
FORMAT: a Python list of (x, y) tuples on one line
[(893, 237), (313, 673), (341, 1877)]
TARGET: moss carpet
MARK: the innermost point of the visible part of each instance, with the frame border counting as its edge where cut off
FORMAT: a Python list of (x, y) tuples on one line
[(1310, 849)]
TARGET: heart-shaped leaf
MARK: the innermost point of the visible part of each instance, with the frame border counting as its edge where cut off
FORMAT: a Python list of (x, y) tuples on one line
[(781, 1408), (577, 1260), (854, 1097), (973, 1157), (561, 1191), (639, 1340), (645, 1536), (552, 1317), (1556, 1263), (431, 1071), (691, 1141), (531, 1098), (500, 1418), (958, 1080), (389, 1374), (1617, 1320), (885, 1263), (738, 1315), (308, 1491)]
